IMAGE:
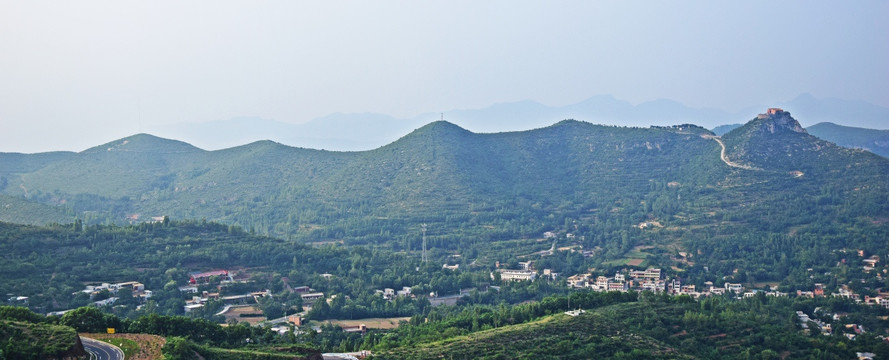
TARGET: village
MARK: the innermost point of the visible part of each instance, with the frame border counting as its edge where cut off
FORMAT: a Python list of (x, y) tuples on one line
[(204, 293)]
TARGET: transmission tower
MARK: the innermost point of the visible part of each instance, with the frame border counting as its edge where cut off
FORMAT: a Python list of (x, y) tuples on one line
[(425, 259)]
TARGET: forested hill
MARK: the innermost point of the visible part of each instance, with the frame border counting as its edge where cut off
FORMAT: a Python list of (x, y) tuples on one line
[(491, 186)]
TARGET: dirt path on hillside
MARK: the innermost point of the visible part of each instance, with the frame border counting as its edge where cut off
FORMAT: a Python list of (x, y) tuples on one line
[(725, 158)]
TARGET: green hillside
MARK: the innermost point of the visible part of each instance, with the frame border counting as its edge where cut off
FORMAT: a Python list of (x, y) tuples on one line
[(654, 327), (596, 182), (26, 335), (275, 189), (558, 336)]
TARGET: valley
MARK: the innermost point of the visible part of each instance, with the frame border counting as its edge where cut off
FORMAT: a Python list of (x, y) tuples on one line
[(663, 226)]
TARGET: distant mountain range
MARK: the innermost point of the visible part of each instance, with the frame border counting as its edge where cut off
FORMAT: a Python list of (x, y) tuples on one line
[(875, 141), (366, 131)]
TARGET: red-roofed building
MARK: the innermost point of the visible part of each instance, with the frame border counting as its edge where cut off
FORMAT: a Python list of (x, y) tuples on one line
[(205, 276)]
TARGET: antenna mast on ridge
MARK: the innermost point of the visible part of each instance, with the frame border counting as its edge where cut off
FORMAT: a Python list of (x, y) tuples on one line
[(425, 259)]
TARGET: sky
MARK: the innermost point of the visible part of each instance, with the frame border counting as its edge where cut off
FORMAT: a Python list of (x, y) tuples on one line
[(78, 74)]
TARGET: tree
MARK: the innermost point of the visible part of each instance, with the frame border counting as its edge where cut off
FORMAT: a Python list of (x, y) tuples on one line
[(178, 348), (85, 319), (271, 308)]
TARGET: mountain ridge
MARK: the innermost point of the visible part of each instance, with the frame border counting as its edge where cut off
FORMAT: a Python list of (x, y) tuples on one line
[(875, 141), (366, 131), (437, 172)]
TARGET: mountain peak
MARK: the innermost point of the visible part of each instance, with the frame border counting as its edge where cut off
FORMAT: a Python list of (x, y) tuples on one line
[(441, 127), (144, 143), (776, 141), (777, 120)]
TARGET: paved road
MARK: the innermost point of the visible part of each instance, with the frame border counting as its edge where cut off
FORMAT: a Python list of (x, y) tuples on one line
[(100, 350)]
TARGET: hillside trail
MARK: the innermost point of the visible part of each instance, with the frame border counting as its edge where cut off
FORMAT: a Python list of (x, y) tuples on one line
[(725, 158)]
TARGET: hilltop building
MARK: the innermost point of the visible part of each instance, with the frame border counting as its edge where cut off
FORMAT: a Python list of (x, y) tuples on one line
[(770, 112)]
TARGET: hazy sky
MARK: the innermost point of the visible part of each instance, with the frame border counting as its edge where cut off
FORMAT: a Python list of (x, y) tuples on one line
[(79, 73)]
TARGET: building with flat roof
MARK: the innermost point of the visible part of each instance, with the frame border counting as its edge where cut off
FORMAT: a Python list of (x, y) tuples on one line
[(516, 275)]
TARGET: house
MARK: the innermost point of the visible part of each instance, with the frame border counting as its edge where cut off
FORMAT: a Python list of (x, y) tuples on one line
[(618, 286), (734, 287), (579, 280), (601, 283), (550, 274), (871, 263), (450, 267), (516, 275), (132, 285), (204, 277), (675, 286), (190, 307), (844, 292), (237, 299), (649, 285), (137, 288), (356, 329), (281, 330), (19, 300), (388, 294), (107, 301), (647, 274), (819, 290), (312, 297), (59, 313)]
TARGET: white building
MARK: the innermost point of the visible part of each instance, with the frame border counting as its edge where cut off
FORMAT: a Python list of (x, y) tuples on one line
[(516, 275)]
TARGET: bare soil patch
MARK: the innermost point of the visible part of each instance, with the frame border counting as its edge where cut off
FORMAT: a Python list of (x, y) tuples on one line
[(371, 323), (635, 262), (236, 312)]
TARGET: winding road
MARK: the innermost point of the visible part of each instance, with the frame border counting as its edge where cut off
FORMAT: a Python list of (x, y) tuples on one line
[(725, 158), (100, 350)]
